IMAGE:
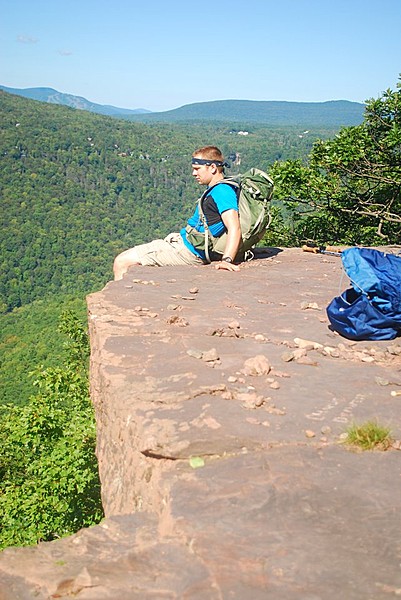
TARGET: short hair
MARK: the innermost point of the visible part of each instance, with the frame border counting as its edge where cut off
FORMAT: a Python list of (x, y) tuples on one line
[(211, 153)]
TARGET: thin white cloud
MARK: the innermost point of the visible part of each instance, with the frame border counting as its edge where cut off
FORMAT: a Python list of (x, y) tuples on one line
[(27, 39), (65, 52)]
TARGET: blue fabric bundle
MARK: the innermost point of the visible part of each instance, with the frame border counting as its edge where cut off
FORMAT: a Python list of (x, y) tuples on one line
[(371, 309)]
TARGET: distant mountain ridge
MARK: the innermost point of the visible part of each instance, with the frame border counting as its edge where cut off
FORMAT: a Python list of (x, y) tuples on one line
[(333, 113), (44, 94)]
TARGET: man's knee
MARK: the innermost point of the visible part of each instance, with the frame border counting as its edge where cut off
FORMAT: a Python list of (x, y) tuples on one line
[(122, 262), (118, 267)]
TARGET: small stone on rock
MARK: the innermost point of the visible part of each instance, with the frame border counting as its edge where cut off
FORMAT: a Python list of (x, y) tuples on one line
[(307, 360), (307, 344), (195, 353), (311, 305), (287, 356), (257, 365), (210, 355)]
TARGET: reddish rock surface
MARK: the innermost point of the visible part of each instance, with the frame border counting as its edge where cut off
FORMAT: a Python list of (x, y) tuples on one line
[(220, 400)]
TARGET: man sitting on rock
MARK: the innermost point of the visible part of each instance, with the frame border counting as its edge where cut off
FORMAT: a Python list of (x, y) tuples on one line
[(220, 209)]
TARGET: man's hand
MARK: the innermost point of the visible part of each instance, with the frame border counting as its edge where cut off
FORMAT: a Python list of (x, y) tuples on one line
[(226, 266)]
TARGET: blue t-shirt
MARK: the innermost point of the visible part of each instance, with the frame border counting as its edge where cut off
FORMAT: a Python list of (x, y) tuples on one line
[(222, 197)]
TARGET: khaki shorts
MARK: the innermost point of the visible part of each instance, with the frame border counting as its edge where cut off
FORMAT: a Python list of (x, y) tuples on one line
[(169, 252)]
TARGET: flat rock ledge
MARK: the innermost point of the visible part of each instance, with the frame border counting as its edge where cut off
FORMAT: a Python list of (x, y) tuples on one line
[(221, 402)]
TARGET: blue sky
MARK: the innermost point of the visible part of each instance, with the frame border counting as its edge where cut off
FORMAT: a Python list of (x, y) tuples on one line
[(161, 55)]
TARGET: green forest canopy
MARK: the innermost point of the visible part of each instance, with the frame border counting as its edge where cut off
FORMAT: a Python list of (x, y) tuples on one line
[(77, 188)]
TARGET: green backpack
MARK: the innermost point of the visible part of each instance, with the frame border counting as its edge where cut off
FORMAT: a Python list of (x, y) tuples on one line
[(254, 190)]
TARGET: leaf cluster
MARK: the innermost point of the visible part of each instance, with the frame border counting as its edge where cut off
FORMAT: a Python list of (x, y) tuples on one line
[(30, 336), (349, 191), (49, 483)]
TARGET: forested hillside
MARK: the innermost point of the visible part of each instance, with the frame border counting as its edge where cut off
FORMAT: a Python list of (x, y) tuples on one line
[(77, 188), (54, 97), (335, 113), (29, 338)]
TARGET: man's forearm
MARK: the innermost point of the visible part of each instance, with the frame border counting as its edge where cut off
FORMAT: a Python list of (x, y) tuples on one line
[(233, 243)]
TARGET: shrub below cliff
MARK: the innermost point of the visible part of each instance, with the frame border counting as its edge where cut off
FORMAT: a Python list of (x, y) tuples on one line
[(49, 483)]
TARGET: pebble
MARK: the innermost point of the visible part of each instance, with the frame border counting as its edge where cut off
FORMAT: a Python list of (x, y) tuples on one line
[(331, 351), (273, 410), (281, 374), (210, 355), (367, 359), (299, 353), (287, 356), (251, 400), (257, 365), (259, 337), (310, 305), (217, 332), (176, 320), (144, 282), (195, 353), (394, 350), (307, 360), (307, 344), (309, 433)]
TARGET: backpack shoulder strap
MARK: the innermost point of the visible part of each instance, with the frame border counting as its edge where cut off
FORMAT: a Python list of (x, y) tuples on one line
[(231, 182), (235, 185)]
